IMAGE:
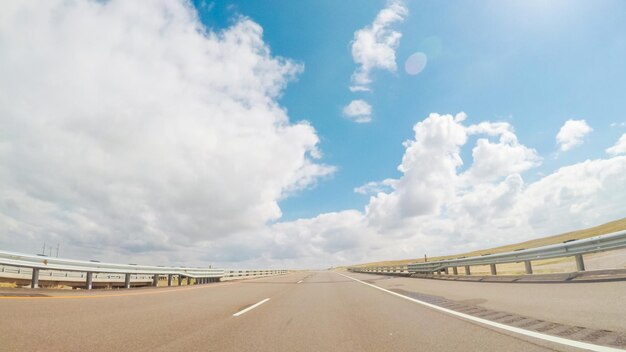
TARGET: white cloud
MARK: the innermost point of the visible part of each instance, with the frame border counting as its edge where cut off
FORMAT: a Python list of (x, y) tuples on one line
[(429, 176), (572, 133), (437, 208), (128, 125), (492, 161), (376, 187), (374, 46), (577, 196), (358, 111), (619, 147)]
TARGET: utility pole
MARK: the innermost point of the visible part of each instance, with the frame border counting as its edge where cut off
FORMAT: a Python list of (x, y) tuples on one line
[(58, 245), (425, 259), (43, 251)]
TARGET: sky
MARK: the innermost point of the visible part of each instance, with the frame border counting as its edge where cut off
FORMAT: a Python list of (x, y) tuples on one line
[(306, 134)]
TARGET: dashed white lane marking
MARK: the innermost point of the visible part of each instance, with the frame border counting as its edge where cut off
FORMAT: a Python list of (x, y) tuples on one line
[(250, 308), (560, 340), (299, 282)]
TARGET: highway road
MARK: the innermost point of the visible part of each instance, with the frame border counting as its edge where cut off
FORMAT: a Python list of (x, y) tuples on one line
[(304, 311)]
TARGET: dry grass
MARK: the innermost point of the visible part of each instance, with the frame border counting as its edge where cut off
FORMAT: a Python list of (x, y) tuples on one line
[(8, 285), (609, 227)]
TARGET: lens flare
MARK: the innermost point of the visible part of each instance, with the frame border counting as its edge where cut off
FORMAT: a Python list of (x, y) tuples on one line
[(415, 63)]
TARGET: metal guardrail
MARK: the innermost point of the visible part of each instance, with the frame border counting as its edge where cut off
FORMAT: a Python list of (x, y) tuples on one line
[(388, 269), (576, 249), (6, 271), (51, 263), (235, 273), (88, 268)]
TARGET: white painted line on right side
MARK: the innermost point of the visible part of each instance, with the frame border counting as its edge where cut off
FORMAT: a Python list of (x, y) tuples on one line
[(250, 308), (299, 282), (550, 338)]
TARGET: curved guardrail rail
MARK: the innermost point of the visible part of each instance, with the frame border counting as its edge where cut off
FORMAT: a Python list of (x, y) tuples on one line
[(201, 275), (51, 263), (576, 249)]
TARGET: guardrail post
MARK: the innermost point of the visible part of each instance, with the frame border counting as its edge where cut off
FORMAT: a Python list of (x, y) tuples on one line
[(180, 280), (155, 280), (529, 267), (89, 281), (169, 280), (580, 263), (127, 280), (34, 283), (493, 269), (455, 271), (445, 270), (467, 270), (188, 280)]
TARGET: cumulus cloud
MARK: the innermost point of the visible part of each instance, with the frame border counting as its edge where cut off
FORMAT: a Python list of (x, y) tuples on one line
[(494, 160), (438, 207), (358, 111), (432, 185), (374, 46), (429, 172), (619, 147), (129, 125), (376, 187), (571, 134), (580, 194)]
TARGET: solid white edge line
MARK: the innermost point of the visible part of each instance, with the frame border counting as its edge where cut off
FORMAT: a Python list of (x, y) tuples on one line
[(520, 331), (250, 308), (299, 282)]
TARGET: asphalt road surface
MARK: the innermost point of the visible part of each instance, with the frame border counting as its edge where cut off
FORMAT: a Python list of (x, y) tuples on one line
[(307, 311)]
